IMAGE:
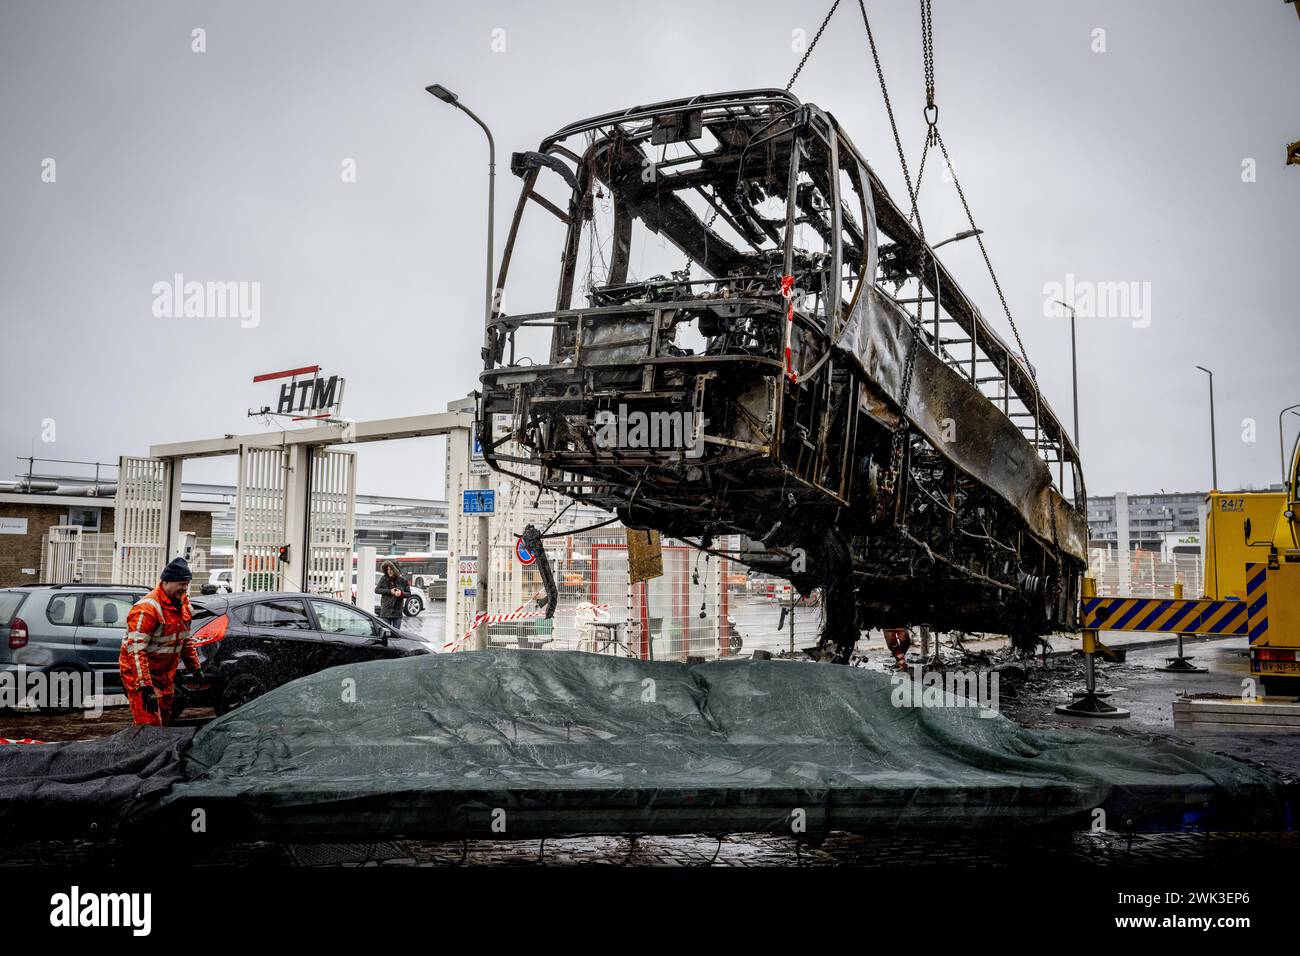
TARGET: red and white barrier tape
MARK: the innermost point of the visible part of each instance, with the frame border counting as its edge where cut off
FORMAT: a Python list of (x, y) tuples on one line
[(518, 614)]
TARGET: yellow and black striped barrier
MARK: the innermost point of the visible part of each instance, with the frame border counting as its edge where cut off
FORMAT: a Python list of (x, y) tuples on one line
[(1248, 618)]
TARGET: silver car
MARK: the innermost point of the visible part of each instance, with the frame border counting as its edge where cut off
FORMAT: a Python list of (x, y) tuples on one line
[(66, 627)]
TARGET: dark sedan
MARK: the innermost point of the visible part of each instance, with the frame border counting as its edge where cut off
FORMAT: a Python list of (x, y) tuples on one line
[(252, 642)]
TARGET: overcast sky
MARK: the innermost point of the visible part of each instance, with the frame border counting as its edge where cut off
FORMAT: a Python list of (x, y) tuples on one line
[(227, 165)]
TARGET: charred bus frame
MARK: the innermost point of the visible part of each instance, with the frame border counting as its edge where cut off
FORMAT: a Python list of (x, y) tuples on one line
[(798, 374)]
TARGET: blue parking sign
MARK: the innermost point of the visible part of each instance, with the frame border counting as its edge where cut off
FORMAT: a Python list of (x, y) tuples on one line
[(479, 502)]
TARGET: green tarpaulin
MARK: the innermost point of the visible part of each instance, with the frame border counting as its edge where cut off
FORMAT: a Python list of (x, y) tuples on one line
[(521, 743)]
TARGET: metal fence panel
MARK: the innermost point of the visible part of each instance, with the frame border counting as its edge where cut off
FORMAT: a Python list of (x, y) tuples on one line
[(259, 519), (330, 520), (139, 521)]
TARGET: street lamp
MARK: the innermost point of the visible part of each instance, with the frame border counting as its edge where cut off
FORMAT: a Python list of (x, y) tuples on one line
[(451, 99), (961, 235), (485, 482), (1214, 455), (1074, 370)]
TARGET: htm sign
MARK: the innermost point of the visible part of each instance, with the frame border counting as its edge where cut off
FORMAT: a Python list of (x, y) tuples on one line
[(306, 397), (309, 397)]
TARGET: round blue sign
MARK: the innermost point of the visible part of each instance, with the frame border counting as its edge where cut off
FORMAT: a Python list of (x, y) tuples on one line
[(522, 553)]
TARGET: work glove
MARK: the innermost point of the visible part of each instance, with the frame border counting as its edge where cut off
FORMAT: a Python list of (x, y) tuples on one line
[(148, 700), (197, 674)]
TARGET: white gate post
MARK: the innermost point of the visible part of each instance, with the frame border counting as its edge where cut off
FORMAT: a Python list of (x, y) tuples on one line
[(1122, 535), (171, 510), (457, 475), (297, 491), (367, 575)]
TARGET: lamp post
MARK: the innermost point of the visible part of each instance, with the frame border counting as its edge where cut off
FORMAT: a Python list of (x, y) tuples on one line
[(1074, 370), (1214, 455), (479, 641)]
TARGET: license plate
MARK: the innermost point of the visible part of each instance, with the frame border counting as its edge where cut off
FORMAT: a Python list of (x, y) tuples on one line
[(1278, 667)]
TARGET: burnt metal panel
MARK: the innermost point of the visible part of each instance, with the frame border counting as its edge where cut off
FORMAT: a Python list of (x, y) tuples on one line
[(988, 446)]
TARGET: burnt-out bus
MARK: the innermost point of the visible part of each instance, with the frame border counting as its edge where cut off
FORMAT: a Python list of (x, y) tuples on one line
[(750, 337)]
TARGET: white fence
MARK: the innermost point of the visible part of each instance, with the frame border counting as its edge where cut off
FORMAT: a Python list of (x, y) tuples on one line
[(703, 606), (699, 607), (72, 556), (1148, 574)]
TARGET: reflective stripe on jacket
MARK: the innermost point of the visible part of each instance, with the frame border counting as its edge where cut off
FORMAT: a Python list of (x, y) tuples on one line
[(157, 634)]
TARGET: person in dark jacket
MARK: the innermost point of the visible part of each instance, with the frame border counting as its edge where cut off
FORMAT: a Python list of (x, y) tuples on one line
[(393, 592)]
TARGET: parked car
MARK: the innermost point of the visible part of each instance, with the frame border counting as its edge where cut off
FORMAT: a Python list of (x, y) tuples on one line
[(66, 627), (223, 580), (252, 642)]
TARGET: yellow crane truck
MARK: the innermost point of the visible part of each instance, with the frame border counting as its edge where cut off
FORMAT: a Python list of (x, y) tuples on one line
[(1251, 558)]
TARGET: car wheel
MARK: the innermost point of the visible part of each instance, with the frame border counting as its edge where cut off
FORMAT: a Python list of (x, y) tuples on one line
[(239, 690), (413, 606)]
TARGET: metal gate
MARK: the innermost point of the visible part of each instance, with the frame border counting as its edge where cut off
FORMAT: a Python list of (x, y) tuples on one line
[(330, 518), (63, 556), (139, 524), (259, 519)]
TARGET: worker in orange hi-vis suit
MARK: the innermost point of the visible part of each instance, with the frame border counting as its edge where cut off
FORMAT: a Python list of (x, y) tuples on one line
[(157, 637)]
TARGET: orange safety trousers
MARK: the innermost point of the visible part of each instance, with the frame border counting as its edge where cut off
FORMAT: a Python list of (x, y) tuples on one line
[(157, 637)]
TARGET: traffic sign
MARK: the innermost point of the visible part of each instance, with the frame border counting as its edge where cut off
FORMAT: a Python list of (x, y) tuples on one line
[(525, 556), (468, 575), (477, 464), (479, 501)]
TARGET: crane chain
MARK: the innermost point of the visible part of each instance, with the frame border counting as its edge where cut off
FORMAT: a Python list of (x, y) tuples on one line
[(889, 480)]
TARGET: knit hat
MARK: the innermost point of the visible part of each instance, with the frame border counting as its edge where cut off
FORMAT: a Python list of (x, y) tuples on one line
[(178, 570)]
